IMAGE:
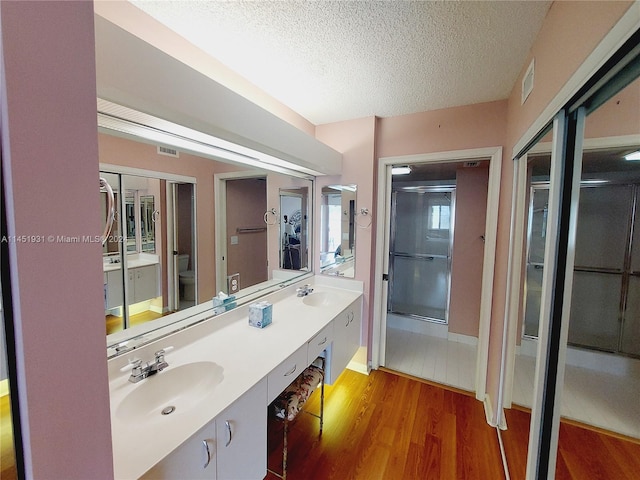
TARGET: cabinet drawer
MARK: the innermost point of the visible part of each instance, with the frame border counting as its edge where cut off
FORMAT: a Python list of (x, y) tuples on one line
[(318, 343), (285, 373)]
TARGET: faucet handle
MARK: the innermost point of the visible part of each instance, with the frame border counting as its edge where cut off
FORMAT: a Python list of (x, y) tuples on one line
[(132, 365), (160, 353)]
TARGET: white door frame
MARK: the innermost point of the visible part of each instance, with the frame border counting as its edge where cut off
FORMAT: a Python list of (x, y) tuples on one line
[(382, 254)]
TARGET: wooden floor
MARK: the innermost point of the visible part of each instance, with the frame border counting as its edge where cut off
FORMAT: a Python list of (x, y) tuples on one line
[(386, 426), (583, 452), (7, 456), (115, 324)]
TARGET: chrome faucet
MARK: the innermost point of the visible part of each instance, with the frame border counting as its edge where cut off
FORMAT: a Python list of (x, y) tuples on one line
[(304, 291), (140, 372)]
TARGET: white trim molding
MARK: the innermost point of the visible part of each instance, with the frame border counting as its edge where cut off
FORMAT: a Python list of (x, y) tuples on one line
[(382, 251)]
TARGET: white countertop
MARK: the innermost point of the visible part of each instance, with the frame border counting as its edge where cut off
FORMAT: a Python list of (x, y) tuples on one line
[(247, 355), (133, 261)]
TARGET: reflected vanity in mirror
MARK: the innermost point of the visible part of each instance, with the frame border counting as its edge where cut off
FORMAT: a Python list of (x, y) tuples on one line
[(183, 238), (337, 235)]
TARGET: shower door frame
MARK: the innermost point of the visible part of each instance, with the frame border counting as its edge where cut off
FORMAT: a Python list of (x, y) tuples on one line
[(626, 272), (378, 344), (426, 189)]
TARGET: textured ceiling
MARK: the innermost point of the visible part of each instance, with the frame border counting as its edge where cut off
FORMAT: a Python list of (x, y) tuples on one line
[(337, 60)]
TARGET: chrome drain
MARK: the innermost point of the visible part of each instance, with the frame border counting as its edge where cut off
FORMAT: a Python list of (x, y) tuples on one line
[(168, 410)]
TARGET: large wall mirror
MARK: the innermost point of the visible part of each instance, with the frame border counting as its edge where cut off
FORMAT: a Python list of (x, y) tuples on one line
[(193, 226), (338, 230)]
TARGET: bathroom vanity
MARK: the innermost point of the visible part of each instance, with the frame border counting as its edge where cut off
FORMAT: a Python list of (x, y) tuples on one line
[(144, 273), (205, 415)]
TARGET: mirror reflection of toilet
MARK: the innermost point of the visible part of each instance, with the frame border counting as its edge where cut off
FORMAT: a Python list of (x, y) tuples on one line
[(187, 278)]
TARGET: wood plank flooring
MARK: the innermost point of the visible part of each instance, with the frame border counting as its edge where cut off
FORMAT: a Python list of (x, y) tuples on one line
[(583, 453), (7, 455), (115, 324), (386, 426)]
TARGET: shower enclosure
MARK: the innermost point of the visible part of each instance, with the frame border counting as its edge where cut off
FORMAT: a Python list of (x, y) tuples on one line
[(605, 306), (420, 253)]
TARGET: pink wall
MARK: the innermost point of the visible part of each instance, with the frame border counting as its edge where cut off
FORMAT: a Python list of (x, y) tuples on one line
[(246, 202), (50, 156), (355, 139), (470, 126), (619, 116), (468, 250), (570, 32)]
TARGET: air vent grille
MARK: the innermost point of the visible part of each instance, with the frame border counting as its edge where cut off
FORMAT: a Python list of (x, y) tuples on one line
[(471, 164), (170, 152), (527, 82)]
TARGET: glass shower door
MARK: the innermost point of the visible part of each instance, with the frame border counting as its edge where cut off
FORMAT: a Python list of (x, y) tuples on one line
[(420, 256)]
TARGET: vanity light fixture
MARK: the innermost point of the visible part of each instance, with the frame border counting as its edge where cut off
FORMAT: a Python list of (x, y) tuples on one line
[(116, 118), (401, 170), (633, 156)]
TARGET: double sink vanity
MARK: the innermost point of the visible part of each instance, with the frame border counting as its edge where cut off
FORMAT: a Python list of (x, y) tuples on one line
[(205, 414)]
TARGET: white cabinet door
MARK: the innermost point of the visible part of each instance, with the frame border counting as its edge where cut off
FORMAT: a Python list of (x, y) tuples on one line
[(146, 283), (195, 459), (241, 433), (114, 289), (346, 339)]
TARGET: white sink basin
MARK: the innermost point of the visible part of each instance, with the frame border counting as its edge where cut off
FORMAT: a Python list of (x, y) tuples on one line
[(175, 390), (319, 299)]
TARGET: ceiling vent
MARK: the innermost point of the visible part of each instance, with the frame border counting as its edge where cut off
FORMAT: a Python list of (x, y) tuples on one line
[(471, 164), (169, 152), (527, 82)]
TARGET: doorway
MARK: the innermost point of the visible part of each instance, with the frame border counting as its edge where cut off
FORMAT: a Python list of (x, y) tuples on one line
[(425, 338), (293, 228), (383, 322), (181, 235), (246, 200)]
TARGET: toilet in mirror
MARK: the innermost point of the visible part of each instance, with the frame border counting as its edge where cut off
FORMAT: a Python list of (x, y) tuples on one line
[(338, 230)]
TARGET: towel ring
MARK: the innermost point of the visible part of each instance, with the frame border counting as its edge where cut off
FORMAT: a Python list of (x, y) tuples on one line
[(271, 212), (104, 186), (364, 212)]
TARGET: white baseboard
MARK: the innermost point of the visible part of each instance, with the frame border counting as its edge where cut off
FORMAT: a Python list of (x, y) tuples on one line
[(158, 309), (460, 338), (415, 325), (589, 359), (359, 362)]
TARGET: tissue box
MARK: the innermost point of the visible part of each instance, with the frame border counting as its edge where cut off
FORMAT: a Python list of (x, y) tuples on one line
[(223, 300), (260, 314)]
